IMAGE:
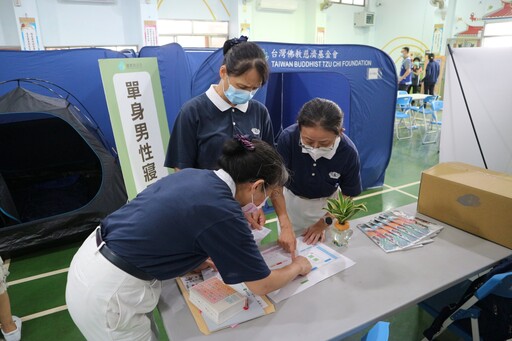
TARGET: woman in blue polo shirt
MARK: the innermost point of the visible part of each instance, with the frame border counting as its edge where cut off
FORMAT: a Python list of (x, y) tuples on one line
[(224, 110), (170, 228), (322, 160)]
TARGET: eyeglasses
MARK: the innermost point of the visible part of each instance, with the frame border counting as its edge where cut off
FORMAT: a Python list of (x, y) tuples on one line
[(309, 148)]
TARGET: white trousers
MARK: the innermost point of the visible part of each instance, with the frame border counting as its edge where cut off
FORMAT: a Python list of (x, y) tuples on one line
[(107, 303), (304, 212)]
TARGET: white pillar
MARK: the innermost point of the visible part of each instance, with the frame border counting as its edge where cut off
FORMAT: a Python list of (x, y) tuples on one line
[(449, 24)]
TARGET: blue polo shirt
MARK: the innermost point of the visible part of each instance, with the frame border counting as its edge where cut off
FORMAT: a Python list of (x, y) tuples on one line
[(319, 179), (205, 122), (175, 224), (406, 65)]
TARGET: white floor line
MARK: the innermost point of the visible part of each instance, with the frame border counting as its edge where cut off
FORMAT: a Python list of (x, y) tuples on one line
[(400, 191), (389, 189), (409, 194), (44, 313), (32, 278), (270, 220), (372, 194), (407, 185)]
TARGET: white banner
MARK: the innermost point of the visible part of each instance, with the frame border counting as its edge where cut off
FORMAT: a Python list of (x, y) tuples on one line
[(139, 120), (486, 77)]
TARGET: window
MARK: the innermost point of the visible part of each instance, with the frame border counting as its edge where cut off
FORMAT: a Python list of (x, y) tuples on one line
[(113, 48), (350, 2), (498, 34), (189, 33)]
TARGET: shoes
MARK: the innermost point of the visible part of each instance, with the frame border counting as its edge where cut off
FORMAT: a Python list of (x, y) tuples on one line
[(15, 335)]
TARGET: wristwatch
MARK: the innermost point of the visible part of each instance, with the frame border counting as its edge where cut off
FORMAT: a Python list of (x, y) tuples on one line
[(327, 220)]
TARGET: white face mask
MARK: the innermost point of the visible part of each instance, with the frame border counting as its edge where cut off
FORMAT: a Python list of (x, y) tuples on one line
[(251, 207), (325, 152)]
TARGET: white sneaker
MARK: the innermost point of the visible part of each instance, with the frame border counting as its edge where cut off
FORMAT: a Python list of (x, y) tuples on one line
[(15, 335)]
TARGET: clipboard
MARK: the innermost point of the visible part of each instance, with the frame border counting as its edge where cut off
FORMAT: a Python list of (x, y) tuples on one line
[(198, 317)]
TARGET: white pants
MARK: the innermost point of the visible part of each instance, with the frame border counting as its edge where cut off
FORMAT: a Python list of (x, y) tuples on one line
[(304, 212), (107, 303)]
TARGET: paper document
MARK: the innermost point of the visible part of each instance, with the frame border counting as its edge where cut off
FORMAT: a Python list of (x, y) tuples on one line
[(325, 261), (260, 234)]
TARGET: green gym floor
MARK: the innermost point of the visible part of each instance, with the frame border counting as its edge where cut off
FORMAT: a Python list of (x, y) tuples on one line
[(37, 281)]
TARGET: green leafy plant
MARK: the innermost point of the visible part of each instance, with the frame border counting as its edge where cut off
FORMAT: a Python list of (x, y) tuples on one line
[(343, 208)]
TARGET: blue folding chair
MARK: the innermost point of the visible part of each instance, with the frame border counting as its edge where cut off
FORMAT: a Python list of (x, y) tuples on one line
[(403, 113), (431, 124), (379, 332), (429, 118), (496, 286), (402, 92)]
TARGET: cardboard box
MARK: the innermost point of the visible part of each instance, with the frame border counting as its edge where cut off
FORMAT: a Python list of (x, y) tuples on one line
[(471, 198)]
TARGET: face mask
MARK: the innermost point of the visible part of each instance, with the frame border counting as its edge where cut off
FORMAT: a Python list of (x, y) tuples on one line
[(238, 96), (251, 207), (417, 64), (325, 152)]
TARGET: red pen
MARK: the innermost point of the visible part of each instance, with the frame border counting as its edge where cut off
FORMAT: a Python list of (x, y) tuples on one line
[(246, 307)]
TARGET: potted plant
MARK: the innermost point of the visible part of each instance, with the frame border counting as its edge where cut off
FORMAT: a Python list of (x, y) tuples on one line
[(342, 209)]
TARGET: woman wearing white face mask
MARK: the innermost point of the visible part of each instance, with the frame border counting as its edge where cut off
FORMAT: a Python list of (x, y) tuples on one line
[(169, 229), (224, 110), (322, 160)]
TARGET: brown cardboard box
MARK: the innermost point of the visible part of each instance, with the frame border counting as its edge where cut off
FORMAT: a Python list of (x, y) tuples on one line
[(471, 198)]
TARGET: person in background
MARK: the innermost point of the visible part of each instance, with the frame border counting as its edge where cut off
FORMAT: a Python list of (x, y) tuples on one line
[(11, 325), (405, 78), (224, 110), (172, 227), (431, 74), (322, 161), (416, 75)]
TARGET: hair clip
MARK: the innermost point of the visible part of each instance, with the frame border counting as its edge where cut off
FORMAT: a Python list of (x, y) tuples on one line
[(236, 41), (245, 142)]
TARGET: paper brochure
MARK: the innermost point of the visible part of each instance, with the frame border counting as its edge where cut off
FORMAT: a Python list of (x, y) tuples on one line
[(397, 231)]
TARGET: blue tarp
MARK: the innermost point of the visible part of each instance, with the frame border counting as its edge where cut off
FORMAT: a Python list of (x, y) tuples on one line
[(175, 74), (361, 79)]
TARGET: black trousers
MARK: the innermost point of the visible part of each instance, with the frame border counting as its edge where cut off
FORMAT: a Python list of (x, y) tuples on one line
[(405, 87), (429, 88)]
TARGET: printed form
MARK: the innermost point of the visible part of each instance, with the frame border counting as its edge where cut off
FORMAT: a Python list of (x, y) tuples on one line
[(325, 263)]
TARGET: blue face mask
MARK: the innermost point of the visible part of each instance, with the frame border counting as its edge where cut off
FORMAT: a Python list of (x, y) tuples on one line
[(238, 96)]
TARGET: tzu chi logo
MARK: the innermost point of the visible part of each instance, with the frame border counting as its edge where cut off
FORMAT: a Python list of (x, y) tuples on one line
[(334, 175), (255, 131)]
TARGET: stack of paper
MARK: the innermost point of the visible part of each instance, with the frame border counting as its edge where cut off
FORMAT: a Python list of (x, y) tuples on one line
[(397, 231), (217, 300), (258, 305)]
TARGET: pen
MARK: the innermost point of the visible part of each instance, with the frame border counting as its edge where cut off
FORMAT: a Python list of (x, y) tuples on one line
[(246, 307)]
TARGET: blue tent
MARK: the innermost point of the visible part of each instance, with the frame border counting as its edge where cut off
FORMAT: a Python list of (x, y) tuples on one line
[(75, 71), (361, 79)]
